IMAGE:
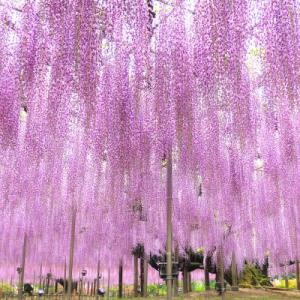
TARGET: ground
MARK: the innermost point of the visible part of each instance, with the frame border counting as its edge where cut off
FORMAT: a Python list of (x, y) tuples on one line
[(243, 294)]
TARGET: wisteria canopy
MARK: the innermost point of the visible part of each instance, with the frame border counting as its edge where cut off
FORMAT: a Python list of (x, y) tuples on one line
[(95, 93)]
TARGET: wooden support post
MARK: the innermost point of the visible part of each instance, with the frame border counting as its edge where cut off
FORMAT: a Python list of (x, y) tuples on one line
[(142, 265), (297, 275), (286, 279), (136, 275), (185, 280), (234, 286), (47, 284), (41, 271), (206, 274), (55, 287), (169, 278), (94, 287), (220, 270), (145, 293), (190, 281), (97, 280), (175, 280), (120, 292), (21, 282), (65, 277), (72, 245), (108, 284)]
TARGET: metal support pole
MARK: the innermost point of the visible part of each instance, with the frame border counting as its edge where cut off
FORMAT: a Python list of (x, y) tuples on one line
[(169, 225), (72, 245)]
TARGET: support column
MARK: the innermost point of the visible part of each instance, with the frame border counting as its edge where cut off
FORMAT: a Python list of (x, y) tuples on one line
[(97, 280), (72, 245), (189, 282), (142, 275), (136, 275), (145, 293), (297, 275), (286, 279), (185, 280), (169, 225), (206, 274), (120, 294), (47, 283), (175, 280), (92, 289), (65, 277), (108, 283), (21, 283), (41, 271), (220, 267), (95, 287), (234, 286)]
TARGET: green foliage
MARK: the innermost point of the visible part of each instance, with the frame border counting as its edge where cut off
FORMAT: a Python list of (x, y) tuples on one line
[(6, 289), (198, 286), (252, 276)]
